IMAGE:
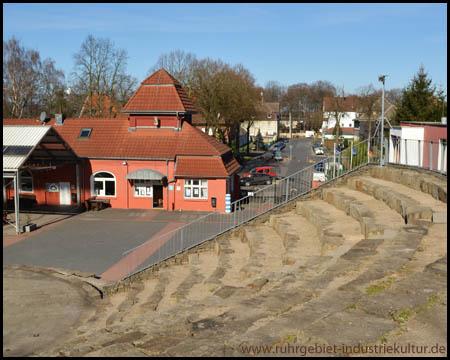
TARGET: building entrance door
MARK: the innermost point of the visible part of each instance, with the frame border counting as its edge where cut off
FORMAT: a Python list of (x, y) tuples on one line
[(64, 193), (157, 196)]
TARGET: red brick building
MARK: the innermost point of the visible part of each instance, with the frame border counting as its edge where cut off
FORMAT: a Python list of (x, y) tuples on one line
[(151, 158)]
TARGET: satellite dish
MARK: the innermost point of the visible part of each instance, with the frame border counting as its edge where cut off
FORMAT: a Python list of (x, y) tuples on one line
[(43, 116)]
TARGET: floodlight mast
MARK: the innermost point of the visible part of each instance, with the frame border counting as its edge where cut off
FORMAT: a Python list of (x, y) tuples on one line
[(382, 79)]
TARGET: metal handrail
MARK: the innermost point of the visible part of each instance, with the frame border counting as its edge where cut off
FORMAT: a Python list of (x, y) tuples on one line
[(246, 209)]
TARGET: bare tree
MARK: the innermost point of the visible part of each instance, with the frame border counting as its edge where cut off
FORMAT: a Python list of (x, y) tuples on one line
[(30, 85), (336, 110), (180, 65), (21, 74), (273, 91), (394, 96), (369, 101), (100, 70), (225, 96), (51, 87)]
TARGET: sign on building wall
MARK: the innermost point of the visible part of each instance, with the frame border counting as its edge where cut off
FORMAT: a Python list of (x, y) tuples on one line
[(52, 187)]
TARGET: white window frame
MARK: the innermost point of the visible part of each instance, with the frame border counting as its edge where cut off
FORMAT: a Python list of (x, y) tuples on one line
[(190, 189), (95, 178), (142, 188), (28, 176)]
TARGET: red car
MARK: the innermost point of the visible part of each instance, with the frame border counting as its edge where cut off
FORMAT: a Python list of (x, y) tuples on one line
[(268, 170)]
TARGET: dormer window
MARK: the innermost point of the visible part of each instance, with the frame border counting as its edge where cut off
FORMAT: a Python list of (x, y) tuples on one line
[(85, 133)]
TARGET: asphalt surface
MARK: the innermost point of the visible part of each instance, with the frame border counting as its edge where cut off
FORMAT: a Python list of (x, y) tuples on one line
[(95, 242), (92, 241), (300, 151)]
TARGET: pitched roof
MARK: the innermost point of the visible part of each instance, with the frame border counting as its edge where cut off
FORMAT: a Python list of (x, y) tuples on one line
[(101, 106), (205, 167), (345, 104), (161, 77), (160, 92), (21, 140), (110, 138), (344, 130)]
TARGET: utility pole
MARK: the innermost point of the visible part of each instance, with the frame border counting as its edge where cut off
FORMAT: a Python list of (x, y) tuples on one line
[(382, 79), (290, 125)]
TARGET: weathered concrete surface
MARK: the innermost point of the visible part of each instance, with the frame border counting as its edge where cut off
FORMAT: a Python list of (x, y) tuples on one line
[(264, 286), (41, 309)]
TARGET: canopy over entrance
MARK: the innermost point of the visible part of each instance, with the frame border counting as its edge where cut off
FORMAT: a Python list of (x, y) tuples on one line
[(146, 174)]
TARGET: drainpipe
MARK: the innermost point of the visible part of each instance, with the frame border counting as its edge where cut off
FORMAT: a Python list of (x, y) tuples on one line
[(167, 188), (77, 168), (128, 190)]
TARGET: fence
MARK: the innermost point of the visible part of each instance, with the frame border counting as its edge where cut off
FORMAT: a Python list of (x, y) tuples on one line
[(243, 210)]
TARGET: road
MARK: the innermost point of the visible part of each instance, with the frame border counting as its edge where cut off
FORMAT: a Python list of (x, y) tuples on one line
[(302, 157)]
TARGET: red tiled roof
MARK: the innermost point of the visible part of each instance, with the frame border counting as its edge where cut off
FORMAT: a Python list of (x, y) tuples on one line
[(160, 77), (101, 106), (159, 92), (345, 104), (344, 130), (205, 167), (110, 138)]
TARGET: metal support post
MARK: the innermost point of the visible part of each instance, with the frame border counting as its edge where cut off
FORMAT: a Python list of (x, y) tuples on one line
[(382, 79), (16, 201), (431, 155)]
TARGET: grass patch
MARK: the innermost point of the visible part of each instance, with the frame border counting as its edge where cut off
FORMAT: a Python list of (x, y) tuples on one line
[(434, 299), (351, 307), (380, 286), (403, 316)]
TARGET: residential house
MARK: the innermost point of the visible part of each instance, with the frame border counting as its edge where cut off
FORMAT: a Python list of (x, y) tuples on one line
[(267, 121), (100, 105), (347, 108)]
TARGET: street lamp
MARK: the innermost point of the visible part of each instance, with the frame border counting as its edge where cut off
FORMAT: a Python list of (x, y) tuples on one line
[(382, 79)]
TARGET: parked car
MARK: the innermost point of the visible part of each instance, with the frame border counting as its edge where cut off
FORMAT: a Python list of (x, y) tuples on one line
[(309, 133), (277, 156), (282, 144), (318, 150), (268, 170), (257, 179)]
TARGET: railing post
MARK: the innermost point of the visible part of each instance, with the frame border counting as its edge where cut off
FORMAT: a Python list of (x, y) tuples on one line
[(182, 239), (287, 189), (418, 162), (431, 155), (351, 155), (406, 152)]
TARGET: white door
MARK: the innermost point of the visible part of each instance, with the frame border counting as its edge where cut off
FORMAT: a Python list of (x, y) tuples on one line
[(64, 193)]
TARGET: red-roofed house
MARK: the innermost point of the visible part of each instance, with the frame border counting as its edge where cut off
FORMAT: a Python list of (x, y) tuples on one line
[(150, 158), (99, 105)]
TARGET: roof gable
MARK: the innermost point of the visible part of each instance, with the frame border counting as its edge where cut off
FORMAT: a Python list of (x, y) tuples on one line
[(160, 92)]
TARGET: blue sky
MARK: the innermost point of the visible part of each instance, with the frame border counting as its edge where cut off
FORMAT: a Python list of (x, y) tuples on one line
[(347, 44)]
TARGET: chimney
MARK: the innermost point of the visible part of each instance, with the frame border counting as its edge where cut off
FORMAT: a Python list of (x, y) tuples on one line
[(59, 120)]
